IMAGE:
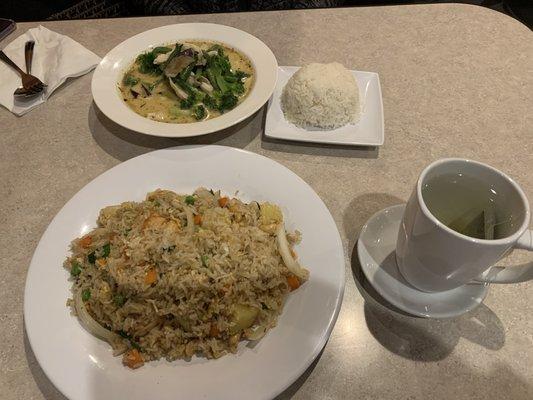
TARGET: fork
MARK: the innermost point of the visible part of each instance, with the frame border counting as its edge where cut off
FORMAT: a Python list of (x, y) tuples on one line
[(28, 56), (31, 84)]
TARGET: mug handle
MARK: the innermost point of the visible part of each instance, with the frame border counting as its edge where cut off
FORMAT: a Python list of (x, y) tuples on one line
[(519, 273)]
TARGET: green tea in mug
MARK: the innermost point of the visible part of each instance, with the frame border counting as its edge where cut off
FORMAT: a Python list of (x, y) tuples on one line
[(469, 206)]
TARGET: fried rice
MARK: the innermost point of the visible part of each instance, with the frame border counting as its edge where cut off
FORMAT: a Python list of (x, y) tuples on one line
[(178, 275)]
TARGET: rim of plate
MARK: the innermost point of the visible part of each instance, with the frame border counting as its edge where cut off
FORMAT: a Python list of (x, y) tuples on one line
[(111, 68), (31, 325)]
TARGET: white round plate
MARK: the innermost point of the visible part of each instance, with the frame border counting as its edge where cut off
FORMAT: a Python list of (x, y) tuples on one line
[(83, 368), (110, 70), (376, 250)]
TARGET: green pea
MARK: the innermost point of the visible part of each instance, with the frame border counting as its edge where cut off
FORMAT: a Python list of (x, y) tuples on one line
[(91, 257), (106, 249), (75, 269), (86, 294), (119, 300), (189, 200)]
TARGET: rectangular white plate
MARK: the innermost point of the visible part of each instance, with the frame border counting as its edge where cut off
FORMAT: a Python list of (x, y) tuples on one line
[(368, 131)]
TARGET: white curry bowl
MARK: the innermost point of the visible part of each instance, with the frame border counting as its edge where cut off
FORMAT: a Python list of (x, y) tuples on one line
[(111, 69)]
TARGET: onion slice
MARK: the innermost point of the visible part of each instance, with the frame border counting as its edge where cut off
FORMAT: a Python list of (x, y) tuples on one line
[(255, 332), (95, 329), (284, 250)]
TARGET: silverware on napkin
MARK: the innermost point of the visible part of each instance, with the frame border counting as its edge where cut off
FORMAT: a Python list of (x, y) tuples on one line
[(31, 85)]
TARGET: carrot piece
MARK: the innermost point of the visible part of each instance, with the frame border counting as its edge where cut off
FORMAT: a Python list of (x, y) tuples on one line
[(102, 262), (213, 331), (86, 241), (133, 359), (223, 201), (197, 219), (150, 277), (293, 281)]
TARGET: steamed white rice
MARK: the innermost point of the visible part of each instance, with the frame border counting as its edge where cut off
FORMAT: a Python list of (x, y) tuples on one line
[(323, 96)]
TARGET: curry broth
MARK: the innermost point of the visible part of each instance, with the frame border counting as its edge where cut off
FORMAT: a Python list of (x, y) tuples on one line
[(163, 105)]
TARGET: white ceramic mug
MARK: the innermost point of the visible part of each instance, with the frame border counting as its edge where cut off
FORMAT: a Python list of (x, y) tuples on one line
[(435, 258)]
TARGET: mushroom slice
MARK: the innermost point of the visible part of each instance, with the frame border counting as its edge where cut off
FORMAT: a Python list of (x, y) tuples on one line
[(179, 91), (163, 57), (140, 89), (177, 64), (205, 85)]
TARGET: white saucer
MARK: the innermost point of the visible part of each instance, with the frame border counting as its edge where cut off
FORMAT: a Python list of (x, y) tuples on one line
[(376, 250)]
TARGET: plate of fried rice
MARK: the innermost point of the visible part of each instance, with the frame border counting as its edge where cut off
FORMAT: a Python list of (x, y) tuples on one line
[(190, 272)]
